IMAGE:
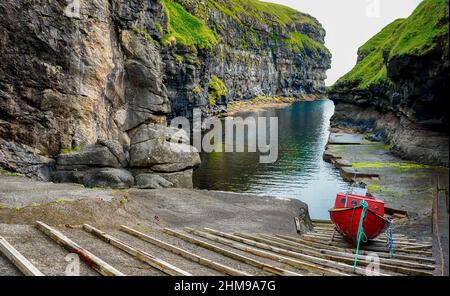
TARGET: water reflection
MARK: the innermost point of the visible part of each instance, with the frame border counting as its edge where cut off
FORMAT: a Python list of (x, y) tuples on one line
[(299, 171)]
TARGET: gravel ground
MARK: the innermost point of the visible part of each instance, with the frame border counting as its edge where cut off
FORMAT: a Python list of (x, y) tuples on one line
[(68, 206)]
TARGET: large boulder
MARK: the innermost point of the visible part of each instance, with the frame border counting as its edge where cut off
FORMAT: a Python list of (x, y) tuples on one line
[(92, 155), (162, 149), (153, 180), (116, 149), (98, 177), (25, 160)]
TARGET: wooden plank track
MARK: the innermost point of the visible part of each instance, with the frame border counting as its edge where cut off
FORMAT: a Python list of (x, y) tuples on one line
[(419, 259), (320, 251), (136, 253), (16, 258), (409, 258), (343, 267), (375, 248), (96, 263), (397, 237), (188, 255), (397, 266), (301, 264), (376, 242), (261, 265)]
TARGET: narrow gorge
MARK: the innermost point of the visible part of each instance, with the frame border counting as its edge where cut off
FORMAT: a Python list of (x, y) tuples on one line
[(213, 138), (86, 96)]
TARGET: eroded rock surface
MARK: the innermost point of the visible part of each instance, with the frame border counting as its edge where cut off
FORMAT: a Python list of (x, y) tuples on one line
[(162, 149)]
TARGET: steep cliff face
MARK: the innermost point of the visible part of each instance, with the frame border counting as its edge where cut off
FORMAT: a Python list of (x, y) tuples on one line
[(254, 48), (399, 86), (71, 80)]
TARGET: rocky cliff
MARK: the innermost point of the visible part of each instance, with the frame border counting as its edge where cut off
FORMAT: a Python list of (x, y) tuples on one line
[(86, 90), (247, 49), (399, 87)]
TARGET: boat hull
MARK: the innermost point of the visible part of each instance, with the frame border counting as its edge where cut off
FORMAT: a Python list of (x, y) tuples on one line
[(347, 220)]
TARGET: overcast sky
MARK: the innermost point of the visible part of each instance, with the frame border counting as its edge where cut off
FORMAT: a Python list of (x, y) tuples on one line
[(350, 23)]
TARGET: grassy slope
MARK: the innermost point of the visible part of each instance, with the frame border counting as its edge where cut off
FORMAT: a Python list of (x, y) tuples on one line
[(416, 35), (191, 30), (263, 12), (187, 29), (270, 13)]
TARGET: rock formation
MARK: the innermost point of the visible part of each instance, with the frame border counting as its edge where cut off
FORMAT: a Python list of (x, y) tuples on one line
[(398, 89), (86, 95)]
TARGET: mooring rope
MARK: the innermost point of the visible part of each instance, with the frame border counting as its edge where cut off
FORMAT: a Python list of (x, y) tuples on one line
[(361, 236), (391, 240)]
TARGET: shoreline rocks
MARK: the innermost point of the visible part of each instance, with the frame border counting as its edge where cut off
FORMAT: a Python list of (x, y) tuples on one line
[(159, 157), (25, 160), (405, 186), (408, 139)]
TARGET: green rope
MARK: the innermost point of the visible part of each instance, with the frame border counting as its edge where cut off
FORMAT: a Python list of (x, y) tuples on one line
[(360, 235)]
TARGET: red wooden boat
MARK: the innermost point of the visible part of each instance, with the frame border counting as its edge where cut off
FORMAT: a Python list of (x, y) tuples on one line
[(346, 216)]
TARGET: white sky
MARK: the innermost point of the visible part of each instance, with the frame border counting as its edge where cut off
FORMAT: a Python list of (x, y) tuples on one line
[(349, 24)]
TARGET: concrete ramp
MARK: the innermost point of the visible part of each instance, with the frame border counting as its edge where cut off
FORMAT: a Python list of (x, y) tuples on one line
[(345, 139)]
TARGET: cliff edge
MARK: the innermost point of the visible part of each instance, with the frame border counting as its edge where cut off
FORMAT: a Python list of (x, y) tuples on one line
[(399, 87)]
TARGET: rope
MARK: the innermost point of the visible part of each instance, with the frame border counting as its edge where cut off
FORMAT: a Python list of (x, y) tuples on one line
[(361, 236), (391, 241)]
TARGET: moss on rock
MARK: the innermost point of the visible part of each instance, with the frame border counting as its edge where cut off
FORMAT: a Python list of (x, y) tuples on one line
[(188, 24), (186, 28), (216, 89)]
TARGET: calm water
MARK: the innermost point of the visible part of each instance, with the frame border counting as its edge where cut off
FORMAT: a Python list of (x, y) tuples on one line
[(299, 172)]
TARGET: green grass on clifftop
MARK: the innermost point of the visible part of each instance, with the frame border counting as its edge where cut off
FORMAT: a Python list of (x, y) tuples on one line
[(186, 29), (416, 35), (262, 12), (300, 42), (188, 24)]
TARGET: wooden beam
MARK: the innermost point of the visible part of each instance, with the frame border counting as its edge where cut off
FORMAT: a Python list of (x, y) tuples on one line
[(325, 225), (303, 242), (417, 247), (399, 244), (375, 242), (320, 221), (411, 263), (397, 237), (136, 253), (18, 260), (397, 266), (96, 263), (302, 264), (233, 255), (183, 253), (324, 262), (364, 247)]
